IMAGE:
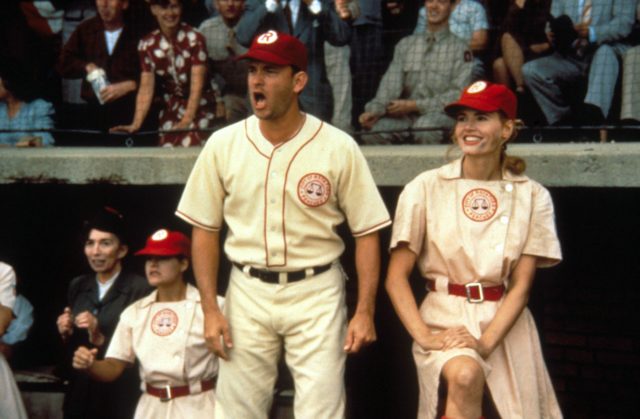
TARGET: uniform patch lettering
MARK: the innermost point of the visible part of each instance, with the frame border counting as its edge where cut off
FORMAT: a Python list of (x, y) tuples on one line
[(314, 189), (164, 322), (479, 205)]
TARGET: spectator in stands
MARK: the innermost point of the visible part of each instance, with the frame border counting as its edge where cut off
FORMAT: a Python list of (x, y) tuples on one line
[(468, 21), (154, 329), (194, 12), (631, 77), (588, 39), (103, 43), (399, 19), (94, 304), (21, 112), (428, 71), (222, 46), (367, 56), (176, 55), (338, 70), (522, 39), (10, 402), (311, 21)]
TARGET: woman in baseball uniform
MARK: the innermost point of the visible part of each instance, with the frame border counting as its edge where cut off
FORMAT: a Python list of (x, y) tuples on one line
[(476, 229), (164, 332)]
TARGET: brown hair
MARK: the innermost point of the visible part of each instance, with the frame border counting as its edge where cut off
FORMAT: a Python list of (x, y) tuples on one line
[(514, 164)]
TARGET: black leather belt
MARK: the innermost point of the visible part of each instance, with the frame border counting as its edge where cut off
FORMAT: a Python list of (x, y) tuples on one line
[(273, 277)]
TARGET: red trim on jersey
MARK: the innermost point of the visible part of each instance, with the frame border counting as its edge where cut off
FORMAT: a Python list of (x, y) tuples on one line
[(371, 229), (286, 177), (253, 143), (196, 223)]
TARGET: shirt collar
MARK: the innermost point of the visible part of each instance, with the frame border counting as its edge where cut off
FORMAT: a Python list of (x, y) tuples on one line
[(453, 171), (439, 35), (192, 294)]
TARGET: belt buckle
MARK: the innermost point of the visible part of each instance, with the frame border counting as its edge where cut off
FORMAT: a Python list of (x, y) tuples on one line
[(168, 396), (468, 287)]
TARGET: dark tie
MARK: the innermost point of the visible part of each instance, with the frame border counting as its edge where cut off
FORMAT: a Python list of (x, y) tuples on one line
[(287, 14)]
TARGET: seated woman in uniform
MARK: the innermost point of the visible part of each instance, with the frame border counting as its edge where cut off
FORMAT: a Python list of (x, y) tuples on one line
[(477, 229), (164, 332)]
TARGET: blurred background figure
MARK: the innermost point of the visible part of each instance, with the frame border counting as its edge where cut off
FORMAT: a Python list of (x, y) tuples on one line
[(21, 111), (222, 45), (338, 71), (522, 39), (102, 51), (468, 21), (175, 55)]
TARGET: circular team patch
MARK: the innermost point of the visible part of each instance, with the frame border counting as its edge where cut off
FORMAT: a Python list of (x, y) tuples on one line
[(314, 189), (164, 322), (479, 204), (477, 87)]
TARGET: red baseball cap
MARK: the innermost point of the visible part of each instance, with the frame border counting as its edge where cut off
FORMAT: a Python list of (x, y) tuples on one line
[(486, 97), (166, 243), (277, 48)]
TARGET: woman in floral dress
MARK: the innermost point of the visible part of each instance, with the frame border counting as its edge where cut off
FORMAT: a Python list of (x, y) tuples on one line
[(175, 55)]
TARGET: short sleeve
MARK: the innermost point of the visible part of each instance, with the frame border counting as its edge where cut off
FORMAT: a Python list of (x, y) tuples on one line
[(147, 63), (359, 197), (199, 55), (409, 223), (7, 286), (542, 240), (121, 346), (480, 21), (201, 204)]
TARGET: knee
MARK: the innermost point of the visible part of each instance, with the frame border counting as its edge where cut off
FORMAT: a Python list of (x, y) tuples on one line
[(498, 65), (466, 377), (604, 52)]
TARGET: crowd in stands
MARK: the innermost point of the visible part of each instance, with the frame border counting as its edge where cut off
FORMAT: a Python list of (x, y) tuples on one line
[(162, 72)]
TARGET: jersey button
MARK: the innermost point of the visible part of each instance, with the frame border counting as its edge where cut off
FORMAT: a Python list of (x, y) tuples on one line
[(508, 187), (504, 219)]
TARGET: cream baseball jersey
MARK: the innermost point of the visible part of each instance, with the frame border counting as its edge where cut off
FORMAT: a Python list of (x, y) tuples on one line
[(282, 203), (167, 338), (466, 230)]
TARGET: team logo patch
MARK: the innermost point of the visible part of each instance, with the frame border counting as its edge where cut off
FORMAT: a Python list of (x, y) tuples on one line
[(164, 322), (479, 205), (314, 189), (477, 87), (468, 57), (268, 38)]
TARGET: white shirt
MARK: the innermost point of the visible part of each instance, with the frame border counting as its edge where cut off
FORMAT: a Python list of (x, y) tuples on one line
[(104, 287), (111, 37)]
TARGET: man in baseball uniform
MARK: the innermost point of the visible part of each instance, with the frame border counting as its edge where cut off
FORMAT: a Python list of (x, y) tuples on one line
[(282, 181)]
